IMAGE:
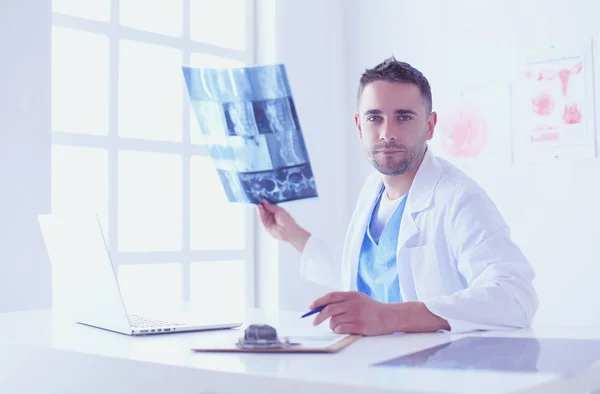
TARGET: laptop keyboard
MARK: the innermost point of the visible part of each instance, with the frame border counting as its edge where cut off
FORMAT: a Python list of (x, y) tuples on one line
[(142, 322)]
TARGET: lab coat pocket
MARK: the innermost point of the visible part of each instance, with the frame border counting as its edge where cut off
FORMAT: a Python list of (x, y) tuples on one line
[(425, 270)]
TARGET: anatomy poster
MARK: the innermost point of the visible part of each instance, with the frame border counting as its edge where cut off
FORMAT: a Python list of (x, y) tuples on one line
[(556, 108), (474, 126), (250, 128)]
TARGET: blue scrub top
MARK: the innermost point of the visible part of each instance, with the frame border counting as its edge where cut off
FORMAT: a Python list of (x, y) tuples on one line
[(377, 274)]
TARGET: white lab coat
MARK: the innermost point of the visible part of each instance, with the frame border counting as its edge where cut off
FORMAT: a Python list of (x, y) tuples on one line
[(454, 252)]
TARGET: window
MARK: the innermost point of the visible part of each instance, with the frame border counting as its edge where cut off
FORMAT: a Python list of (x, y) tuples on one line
[(125, 143)]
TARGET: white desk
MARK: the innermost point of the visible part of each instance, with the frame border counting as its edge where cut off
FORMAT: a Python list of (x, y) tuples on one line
[(44, 353)]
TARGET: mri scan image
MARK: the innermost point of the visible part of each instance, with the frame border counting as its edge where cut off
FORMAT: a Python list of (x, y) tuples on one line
[(261, 151)]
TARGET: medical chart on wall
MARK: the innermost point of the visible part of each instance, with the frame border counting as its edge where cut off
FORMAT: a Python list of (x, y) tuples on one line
[(249, 125), (473, 125), (555, 108)]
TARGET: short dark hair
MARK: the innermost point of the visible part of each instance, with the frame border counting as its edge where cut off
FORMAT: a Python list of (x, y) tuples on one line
[(392, 70)]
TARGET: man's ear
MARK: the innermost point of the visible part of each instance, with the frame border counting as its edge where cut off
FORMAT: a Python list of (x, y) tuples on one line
[(357, 121), (431, 122)]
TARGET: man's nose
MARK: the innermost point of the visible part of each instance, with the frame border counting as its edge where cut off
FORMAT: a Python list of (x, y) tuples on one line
[(387, 132)]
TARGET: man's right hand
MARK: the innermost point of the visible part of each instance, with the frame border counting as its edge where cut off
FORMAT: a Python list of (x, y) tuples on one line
[(281, 225)]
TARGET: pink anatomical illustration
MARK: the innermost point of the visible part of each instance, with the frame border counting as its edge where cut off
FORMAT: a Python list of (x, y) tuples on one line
[(563, 74), (571, 114), (465, 133), (545, 133), (543, 103), (556, 91)]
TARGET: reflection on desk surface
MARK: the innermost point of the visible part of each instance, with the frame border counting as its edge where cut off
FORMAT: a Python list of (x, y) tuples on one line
[(547, 355)]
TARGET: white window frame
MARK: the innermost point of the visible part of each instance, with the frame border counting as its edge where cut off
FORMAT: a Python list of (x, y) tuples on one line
[(113, 144)]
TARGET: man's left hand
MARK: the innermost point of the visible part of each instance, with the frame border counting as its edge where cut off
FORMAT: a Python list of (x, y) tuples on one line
[(352, 312)]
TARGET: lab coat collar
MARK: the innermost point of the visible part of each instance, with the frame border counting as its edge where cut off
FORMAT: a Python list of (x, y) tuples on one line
[(420, 196), (421, 191)]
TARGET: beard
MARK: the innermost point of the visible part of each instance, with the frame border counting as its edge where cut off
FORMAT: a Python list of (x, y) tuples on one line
[(396, 164)]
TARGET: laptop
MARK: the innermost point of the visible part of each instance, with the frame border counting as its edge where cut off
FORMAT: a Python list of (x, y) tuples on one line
[(79, 254)]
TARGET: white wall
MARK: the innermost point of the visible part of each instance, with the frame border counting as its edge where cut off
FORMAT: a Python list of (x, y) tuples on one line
[(25, 28), (307, 38), (552, 208)]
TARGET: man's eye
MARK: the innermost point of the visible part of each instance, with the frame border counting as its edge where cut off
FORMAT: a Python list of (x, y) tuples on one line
[(404, 118), (374, 118)]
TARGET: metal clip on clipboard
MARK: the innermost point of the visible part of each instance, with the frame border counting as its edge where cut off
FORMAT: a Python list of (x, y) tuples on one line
[(262, 336)]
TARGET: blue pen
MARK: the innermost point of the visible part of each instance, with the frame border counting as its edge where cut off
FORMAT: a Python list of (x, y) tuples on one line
[(317, 310)]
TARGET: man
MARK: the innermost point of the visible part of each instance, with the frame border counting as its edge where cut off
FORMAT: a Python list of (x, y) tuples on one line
[(426, 249)]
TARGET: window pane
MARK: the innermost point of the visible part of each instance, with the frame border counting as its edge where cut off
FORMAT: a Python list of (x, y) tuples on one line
[(98, 10), (221, 23), (198, 59), (80, 181), (215, 223), (157, 16), (79, 82), (150, 91), (156, 285), (203, 60), (223, 282), (150, 201)]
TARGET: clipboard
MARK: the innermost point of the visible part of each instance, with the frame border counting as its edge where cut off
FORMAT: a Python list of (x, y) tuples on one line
[(309, 347)]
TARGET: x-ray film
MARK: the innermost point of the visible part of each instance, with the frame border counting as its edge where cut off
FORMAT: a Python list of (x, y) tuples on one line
[(250, 128)]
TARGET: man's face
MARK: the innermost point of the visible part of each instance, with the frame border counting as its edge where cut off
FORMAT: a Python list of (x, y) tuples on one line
[(394, 125)]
